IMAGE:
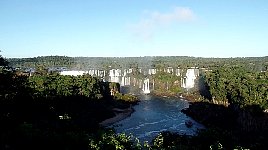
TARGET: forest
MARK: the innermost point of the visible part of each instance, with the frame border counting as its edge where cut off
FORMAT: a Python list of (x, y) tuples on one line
[(47, 110), (84, 63)]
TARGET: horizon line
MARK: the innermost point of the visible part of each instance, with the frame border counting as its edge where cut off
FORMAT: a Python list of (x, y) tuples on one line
[(131, 56)]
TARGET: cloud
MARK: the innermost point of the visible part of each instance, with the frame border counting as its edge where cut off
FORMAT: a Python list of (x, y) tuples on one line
[(146, 26), (180, 14), (143, 29)]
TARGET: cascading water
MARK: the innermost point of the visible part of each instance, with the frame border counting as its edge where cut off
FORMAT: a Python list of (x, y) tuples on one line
[(189, 80), (115, 74), (146, 86), (123, 77)]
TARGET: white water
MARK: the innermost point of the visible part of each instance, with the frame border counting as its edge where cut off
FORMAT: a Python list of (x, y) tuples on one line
[(146, 86), (122, 77), (154, 115)]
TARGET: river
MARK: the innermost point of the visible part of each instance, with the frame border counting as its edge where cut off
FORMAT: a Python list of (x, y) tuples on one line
[(155, 114)]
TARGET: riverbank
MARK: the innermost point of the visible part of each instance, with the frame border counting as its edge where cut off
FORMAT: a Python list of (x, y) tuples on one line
[(186, 96), (120, 114)]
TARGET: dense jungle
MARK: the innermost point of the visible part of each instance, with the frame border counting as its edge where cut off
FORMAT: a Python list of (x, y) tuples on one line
[(46, 110)]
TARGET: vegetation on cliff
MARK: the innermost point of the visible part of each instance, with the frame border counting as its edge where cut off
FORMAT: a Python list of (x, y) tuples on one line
[(46, 111)]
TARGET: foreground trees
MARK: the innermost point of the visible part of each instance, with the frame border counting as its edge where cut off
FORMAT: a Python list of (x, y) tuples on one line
[(46, 111), (57, 85), (235, 110), (49, 111)]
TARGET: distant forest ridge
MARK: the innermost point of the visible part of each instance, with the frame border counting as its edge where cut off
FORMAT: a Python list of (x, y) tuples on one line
[(255, 63)]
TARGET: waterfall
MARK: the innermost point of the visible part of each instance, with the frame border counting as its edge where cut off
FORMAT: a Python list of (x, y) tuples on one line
[(146, 86), (153, 84), (128, 81), (178, 72), (167, 86), (123, 83), (189, 80), (114, 75), (140, 83)]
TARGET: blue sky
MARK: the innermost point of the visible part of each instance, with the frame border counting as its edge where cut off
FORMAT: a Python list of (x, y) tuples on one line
[(108, 28)]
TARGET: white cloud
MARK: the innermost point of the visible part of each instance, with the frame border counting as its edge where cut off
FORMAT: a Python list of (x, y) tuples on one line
[(143, 29), (146, 26), (180, 14)]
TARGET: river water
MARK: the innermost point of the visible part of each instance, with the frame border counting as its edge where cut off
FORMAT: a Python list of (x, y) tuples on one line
[(153, 115)]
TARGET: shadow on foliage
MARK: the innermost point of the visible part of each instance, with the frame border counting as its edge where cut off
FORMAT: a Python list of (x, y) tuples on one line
[(203, 88), (246, 127)]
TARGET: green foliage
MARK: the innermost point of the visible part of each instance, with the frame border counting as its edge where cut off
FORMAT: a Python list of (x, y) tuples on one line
[(45, 61), (236, 85), (205, 139), (29, 136), (251, 63), (3, 62), (58, 85), (126, 98), (115, 87), (31, 108), (230, 127), (167, 83), (110, 140), (13, 86), (216, 146)]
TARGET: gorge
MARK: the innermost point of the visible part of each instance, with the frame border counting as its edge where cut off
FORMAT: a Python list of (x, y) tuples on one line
[(153, 114), (232, 113)]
